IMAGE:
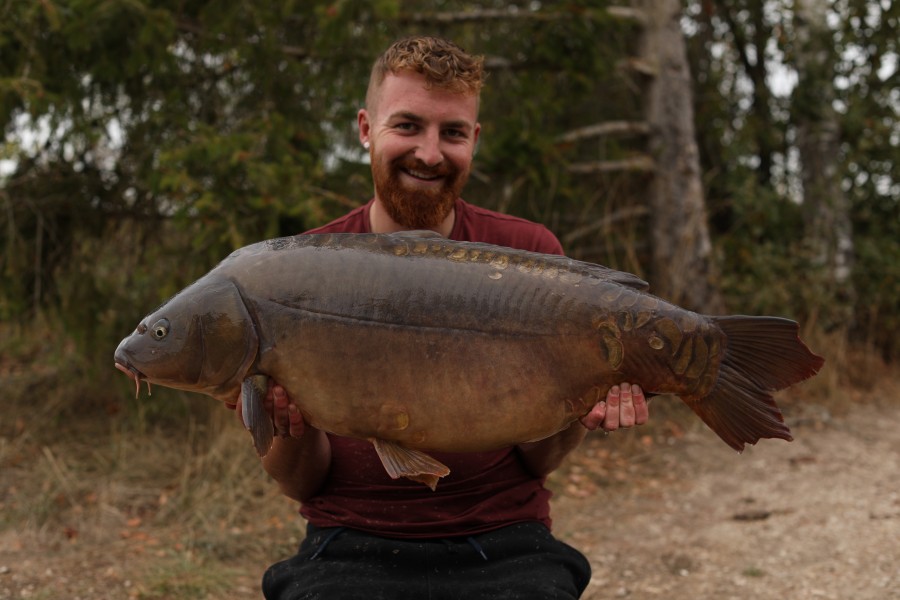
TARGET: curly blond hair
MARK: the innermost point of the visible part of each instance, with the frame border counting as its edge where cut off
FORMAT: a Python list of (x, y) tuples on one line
[(444, 65)]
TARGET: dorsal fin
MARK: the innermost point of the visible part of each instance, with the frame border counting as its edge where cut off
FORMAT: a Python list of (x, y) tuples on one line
[(621, 277), (524, 256)]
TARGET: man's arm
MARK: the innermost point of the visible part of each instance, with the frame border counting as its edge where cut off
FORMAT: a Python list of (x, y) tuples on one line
[(299, 465), (624, 406)]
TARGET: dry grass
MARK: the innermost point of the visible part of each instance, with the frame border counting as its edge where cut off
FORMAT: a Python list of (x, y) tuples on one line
[(179, 505)]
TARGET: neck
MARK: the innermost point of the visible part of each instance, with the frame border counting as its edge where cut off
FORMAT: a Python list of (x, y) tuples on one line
[(381, 222)]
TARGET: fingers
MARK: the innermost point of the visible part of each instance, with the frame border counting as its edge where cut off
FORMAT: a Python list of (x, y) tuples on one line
[(614, 407), (297, 424), (285, 414), (269, 401), (286, 417), (641, 407), (626, 407), (236, 407), (593, 419), (280, 410)]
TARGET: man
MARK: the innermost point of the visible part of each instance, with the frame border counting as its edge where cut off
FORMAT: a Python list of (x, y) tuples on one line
[(485, 531)]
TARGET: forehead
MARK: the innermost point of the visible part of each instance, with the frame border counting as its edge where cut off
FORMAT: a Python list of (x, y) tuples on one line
[(406, 92)]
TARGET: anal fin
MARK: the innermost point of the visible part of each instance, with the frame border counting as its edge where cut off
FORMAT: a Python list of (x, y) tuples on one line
[(400, 461), (253, 411)]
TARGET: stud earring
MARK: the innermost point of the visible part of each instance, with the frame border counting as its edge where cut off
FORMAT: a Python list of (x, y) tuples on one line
[(366, 145)]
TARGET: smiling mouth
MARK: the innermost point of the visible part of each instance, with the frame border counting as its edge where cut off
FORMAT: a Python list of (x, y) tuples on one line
[(423, 176), (137, 376)]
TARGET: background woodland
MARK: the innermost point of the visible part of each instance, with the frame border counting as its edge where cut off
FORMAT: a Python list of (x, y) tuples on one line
[(740, 155)]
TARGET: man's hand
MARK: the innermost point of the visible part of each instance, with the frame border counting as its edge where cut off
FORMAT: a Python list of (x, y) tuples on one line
[(625, 406), (285, 414), (300, 456)]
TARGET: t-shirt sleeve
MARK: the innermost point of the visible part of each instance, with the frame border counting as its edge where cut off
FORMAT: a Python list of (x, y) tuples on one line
[(476, 224), (546, 242)]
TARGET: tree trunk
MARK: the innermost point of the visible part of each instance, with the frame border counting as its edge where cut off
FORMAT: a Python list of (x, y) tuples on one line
[(829, 230), (682, 268), (751, 34)]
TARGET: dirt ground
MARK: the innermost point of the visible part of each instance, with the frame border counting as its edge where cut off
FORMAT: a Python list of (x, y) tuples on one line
[(677, 516), (818, 518)]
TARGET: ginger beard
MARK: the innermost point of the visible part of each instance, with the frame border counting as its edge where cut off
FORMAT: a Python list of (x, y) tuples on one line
[(417, 208)]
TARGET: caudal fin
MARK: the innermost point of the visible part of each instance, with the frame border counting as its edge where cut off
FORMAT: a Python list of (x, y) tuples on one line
[(763, 355)]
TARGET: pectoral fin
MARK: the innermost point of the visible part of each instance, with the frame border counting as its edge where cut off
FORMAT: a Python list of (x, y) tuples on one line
[(399, 462), (256, 419)]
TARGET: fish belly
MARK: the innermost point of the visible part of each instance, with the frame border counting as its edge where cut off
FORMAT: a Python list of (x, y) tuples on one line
[(436, 389)]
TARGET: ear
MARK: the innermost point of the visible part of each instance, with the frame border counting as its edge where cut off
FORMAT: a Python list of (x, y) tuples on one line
[(365, 126), (475, 133)]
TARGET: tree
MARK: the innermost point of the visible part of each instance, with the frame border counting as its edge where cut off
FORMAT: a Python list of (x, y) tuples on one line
[(751, 32), (683, 267), (866, 80), (166, 128), (205, 115), (848, 117), (826, 210)]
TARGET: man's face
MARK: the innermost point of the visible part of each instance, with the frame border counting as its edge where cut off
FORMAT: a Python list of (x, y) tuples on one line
[(421, 147)]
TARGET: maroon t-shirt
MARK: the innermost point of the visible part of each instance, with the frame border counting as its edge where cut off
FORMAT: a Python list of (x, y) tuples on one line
[(484, 490)]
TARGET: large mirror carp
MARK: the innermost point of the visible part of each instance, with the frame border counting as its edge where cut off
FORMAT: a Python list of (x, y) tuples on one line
[(419, 343)]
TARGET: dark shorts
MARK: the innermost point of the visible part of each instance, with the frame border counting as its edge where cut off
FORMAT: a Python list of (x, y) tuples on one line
[(519, 561)]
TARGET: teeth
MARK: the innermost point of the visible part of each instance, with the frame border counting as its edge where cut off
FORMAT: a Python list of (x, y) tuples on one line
[(420, 175)]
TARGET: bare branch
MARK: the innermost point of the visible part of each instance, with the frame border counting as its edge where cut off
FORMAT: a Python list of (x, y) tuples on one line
[(188, 27), (295, 51), (636, 163), (639, 65), (338, 198), (496, 63), (487, 14), (481, 15), (627, 12), (608, 128), (604, 223)]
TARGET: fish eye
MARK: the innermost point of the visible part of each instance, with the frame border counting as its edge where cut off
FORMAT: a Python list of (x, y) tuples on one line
[(160, 329)]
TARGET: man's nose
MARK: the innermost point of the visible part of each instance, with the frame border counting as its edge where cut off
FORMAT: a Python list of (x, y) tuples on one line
[(429, 149)]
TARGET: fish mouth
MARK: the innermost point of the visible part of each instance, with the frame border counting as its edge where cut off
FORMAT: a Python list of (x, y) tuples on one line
[(134, 374)]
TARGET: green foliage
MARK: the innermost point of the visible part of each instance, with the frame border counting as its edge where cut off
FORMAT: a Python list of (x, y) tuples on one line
[(876, 277), (757, 221), (162, 135), (868, 97), (167, 128)]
